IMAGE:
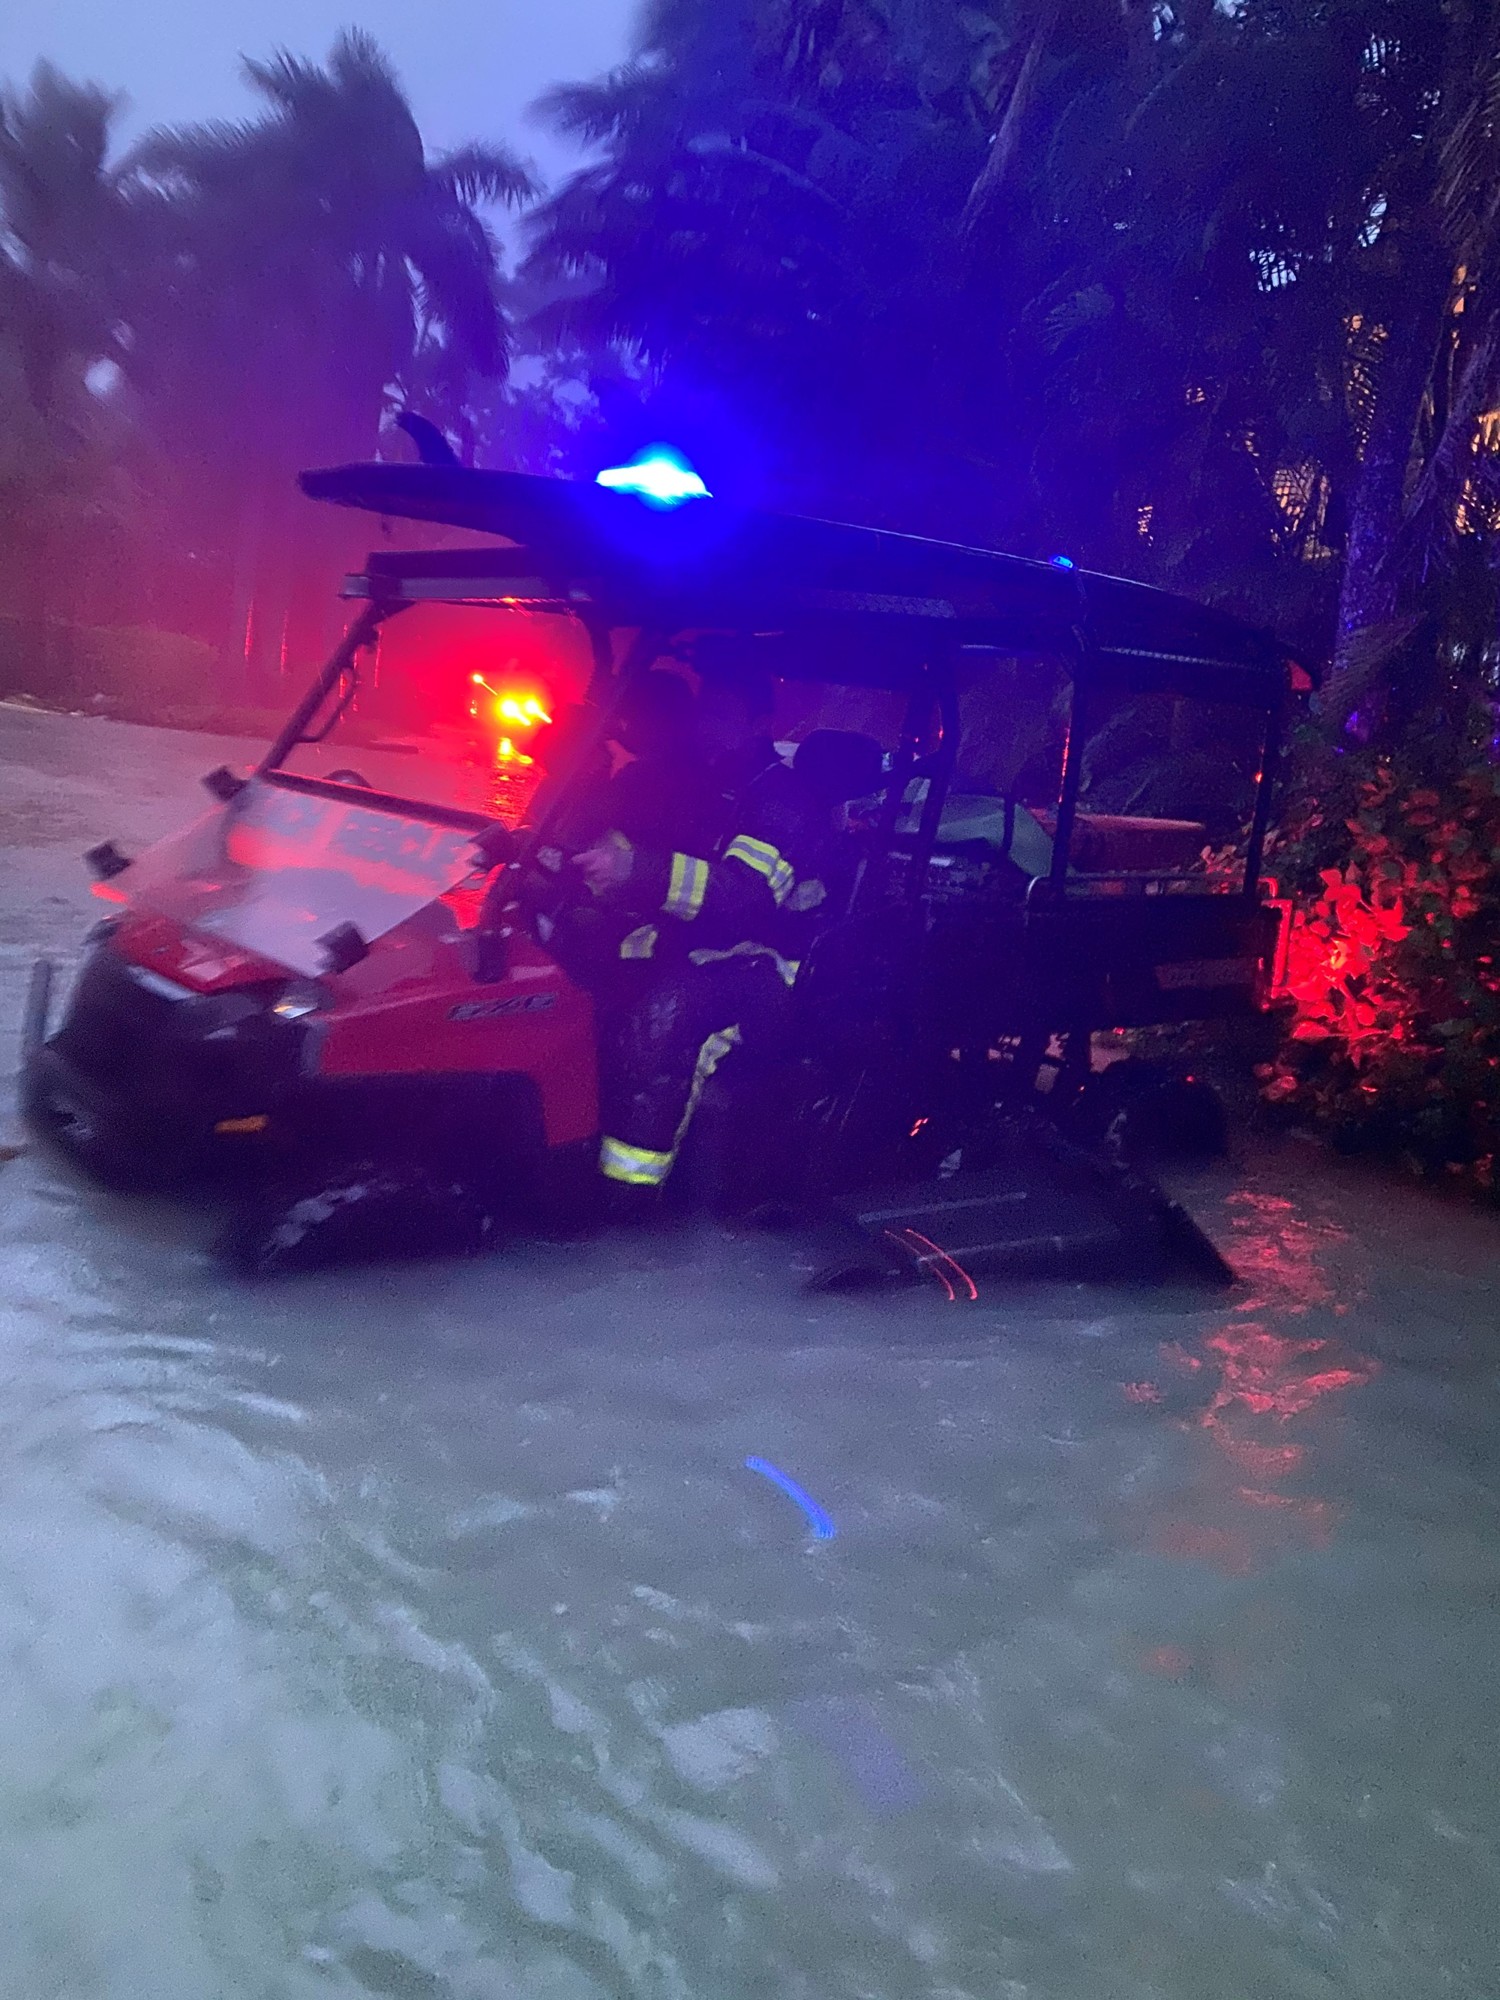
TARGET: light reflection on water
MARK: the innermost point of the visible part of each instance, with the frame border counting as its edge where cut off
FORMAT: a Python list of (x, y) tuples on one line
[(1247, 1380)]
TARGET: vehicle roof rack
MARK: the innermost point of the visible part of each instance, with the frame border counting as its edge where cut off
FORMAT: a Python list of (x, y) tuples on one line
[(860, 604)]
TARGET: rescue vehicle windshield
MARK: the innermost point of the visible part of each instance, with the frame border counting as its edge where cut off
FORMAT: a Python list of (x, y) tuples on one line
[(450, 708)]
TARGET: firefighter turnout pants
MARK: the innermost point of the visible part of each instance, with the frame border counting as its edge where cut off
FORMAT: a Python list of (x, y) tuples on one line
[(663, 1034)]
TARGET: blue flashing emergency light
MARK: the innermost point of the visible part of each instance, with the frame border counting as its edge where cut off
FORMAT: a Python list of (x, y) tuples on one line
[(659, 476), (1062, 562)]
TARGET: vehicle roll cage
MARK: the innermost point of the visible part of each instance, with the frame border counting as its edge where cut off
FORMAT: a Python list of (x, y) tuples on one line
[(840, 605)]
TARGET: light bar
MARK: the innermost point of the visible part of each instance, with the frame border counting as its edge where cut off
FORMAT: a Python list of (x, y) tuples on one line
[(659, 476), (502, 590)]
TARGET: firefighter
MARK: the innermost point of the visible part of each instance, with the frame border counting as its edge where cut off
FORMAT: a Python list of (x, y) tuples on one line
[(666, 785), (583, 794), (663, 793), (720, 918)]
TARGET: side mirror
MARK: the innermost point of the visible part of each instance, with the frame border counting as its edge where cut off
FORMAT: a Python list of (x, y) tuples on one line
[(342, 947), (105, 861), (223, 784)]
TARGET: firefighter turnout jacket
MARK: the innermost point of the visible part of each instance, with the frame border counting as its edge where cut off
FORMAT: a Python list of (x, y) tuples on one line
[(754, 885), (718, 928)]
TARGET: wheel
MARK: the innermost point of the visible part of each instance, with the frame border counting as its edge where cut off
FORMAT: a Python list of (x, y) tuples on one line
[(356, 1211), (64, 1121), (343, 777), (1150, 1110)]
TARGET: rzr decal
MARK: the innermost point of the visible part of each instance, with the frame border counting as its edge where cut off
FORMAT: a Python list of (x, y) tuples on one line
[(483, 1010)]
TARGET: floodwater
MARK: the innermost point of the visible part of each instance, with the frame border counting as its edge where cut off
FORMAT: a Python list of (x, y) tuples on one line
[(421, 1632)]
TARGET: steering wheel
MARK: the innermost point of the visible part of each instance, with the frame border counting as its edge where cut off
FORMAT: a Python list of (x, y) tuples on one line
[(553, 905), (550, 886)]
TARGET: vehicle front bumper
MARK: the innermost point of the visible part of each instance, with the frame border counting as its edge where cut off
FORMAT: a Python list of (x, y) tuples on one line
[(144, 1071)]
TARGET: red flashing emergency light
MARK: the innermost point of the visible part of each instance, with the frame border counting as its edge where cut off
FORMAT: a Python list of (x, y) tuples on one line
[(519, 712)]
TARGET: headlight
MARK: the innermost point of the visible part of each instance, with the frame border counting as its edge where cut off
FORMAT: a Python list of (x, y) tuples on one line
[(297, 1000)]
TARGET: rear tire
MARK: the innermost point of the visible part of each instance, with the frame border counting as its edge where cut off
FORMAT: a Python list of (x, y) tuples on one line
[(1140, 1111)]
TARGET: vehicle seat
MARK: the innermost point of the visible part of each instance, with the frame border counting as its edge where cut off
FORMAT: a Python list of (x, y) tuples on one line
[(1127, 843), (987, 847)]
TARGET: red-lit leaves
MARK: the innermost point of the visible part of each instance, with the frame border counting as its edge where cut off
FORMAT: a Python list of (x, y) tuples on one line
[(1389, 961)]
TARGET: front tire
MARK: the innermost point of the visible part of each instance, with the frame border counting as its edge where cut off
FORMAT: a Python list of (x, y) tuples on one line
[(355, 1211), (63, 1121)]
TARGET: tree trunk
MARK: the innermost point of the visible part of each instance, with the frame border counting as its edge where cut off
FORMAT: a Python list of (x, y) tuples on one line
[(36, 635), (1454, 460), (239, 635), (1370, 596), (987, 191)]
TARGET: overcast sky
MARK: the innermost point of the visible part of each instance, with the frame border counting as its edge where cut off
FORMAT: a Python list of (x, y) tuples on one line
[(471, 66)]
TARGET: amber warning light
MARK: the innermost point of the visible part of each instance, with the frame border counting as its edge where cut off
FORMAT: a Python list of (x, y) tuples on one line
[(518, 712)]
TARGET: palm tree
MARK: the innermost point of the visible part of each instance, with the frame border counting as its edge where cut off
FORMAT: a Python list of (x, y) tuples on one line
[(62, 241), (1170, 286), (1427, 503), (1013, 270), (770, 225), (1153, 235), (59, 206), (300, 261)]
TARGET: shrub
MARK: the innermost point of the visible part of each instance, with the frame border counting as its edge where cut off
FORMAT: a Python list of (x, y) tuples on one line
[(125, 670), (128, 673), (1391, 856)]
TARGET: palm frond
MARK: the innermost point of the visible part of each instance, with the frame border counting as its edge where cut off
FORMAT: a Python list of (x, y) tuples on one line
[(457, 289), (285, 80), (486, 173), (191, 151), (615, 107), (1470, 166), (58, 117), (358, 59)]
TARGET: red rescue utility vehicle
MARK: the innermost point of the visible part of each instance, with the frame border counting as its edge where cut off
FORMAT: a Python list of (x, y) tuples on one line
[(295, 985)]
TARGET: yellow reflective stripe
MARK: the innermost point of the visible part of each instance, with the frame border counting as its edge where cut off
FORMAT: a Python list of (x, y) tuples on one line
[(759, 854), (641, 943), (637, 1165), (687, 887), (710, 1056), (787, 967), (766, 861), (677, 884)]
